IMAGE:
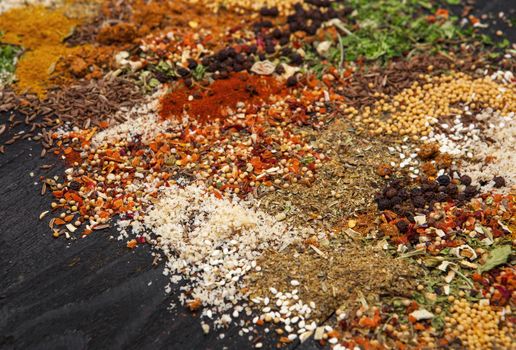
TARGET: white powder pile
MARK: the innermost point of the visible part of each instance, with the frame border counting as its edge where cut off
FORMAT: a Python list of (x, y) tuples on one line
[(496, 156), (142, 121), (462, 141), (211, 243), (486, 146)]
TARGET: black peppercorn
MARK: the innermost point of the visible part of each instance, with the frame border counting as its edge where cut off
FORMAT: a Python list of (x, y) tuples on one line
[(270, 49), (312, 29), (74, 185), (452, 189), (292, 81), (269, 12), (161, 77), (465, 180), (443, 180), (296, 58), (276, 33), (253, 49), (183, 72), (470, 191), (499, 181), (192, 64)]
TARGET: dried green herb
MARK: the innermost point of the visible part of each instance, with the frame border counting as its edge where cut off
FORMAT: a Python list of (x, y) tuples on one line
[(497, 256), (8, 54), (383, 29)]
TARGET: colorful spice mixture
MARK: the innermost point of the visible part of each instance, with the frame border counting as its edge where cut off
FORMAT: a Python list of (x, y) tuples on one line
[(300, 168), (250, 147)]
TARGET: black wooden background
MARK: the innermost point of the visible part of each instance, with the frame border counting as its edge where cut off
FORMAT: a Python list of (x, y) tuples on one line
[(94, 293)]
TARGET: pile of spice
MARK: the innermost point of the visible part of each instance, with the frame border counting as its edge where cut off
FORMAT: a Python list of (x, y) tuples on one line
[(40, 32), (415, 110), (254, 146), (83, 105), (212, 243)]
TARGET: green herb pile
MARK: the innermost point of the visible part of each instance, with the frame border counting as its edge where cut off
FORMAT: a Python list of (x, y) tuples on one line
[(383, 29)]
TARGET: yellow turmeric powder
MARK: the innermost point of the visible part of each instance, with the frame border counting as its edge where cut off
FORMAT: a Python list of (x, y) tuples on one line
[(40, 31)]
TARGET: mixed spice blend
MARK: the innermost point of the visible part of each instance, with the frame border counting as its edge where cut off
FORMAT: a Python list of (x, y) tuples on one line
[(341, 172)]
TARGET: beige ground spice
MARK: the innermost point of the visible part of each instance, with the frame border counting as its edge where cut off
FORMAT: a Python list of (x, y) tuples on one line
[(334, 275)]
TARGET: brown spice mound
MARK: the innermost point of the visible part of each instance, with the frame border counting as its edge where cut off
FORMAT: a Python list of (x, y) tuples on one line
[(84, 62), (348, 271), (127, 21), (119, 33), (88, 103)]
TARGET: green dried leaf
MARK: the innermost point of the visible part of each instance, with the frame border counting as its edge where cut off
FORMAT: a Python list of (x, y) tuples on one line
[(199, 72), (438, 323), (154, 83), (497, 256)]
